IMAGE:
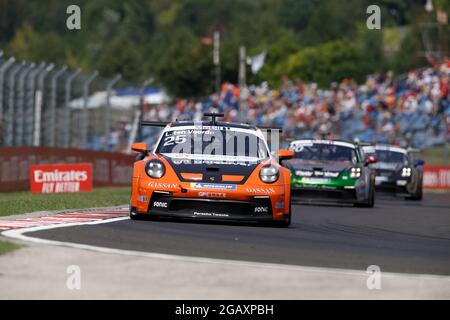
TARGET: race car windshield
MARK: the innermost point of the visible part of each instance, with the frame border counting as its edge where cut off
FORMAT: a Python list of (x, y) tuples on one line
[(206, 142), (324, 152), (391, 157)]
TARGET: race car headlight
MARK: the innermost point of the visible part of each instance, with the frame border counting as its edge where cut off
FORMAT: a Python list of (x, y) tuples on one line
[(269, 174), (406, 172), (155, 169), (355, 173)]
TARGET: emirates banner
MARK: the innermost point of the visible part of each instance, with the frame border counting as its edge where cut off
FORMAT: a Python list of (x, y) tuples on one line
[(107, 168), (61, 178), (436, 177)]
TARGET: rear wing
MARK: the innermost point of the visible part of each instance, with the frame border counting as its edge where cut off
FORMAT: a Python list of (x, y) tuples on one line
[(365, 144), (154, 124), (268, 129)]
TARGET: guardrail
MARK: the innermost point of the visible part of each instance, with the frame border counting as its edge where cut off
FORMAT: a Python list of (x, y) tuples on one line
[(109, 169), (436, 177)]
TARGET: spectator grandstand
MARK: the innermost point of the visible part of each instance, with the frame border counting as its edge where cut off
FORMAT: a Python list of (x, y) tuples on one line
[(411, 110)]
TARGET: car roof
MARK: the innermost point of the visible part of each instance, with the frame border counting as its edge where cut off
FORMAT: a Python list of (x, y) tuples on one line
[(337, 142), (385, 147), (182, 125), (208, 123)]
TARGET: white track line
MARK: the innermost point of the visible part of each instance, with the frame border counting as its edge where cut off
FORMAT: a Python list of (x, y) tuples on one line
[(18, 234)]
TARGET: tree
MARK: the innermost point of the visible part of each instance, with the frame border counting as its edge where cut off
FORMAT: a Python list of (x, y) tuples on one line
[(333, 20), (30, 45), (162, 38), (120, 56), (184, 64), (332, 61), (11, 15)]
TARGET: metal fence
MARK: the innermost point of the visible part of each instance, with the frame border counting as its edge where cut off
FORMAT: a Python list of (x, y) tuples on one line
[(42, 104)]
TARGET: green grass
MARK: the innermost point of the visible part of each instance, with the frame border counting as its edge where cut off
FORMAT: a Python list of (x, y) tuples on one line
[(24, 202), (7, 247), (437, 156)]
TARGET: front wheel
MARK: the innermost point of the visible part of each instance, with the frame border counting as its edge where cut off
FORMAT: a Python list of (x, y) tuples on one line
[(419, 193), (286, 221), (135, 216), (370, 203)]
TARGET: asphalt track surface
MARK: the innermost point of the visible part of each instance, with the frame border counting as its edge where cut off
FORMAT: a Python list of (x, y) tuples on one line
[(397, 235)]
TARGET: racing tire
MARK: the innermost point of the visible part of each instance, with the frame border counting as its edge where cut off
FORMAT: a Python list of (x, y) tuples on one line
[(286, 222), (136, 216), (142, 217), (133, 215), (370, 202), (418, 196)]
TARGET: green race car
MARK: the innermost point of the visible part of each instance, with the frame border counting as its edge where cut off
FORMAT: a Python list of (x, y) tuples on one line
[(331, 171)]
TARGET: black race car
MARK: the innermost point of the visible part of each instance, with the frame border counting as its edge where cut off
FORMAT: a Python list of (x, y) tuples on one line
[(397, 171)]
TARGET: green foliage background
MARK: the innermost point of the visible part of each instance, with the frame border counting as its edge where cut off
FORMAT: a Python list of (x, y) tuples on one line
[(313, 40)]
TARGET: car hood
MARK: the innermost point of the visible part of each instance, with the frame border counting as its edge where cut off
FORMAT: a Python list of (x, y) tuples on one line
[(211, 168), (387, 166), (311, 165)]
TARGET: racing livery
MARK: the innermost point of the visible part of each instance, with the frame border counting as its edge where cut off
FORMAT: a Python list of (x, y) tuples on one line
[(211, 170), (331, 171), (397, 171)]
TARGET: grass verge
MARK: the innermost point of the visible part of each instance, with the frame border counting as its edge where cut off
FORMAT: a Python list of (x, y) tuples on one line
[(6, 247), (24, 202), (437, 156)]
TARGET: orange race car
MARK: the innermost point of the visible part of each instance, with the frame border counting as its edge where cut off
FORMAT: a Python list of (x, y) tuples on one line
[(211, 170)]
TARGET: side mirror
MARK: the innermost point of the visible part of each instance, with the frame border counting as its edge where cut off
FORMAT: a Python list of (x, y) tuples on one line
[(285, 154), (370, 160), (419, 163), (139, 147)]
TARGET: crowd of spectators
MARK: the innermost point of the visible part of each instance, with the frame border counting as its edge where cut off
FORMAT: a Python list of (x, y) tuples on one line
[(411, 110)]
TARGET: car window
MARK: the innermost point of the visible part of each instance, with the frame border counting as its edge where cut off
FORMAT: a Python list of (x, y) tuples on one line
[(224, 142), (324, 152), (391, 157)]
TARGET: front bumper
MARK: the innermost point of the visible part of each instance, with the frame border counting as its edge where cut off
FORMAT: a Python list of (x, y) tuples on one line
[(211, 202), (309, 194), (337, 190), (395, 185), (165, 205)]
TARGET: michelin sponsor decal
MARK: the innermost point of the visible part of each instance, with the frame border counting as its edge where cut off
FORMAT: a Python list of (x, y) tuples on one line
[(213, 186)]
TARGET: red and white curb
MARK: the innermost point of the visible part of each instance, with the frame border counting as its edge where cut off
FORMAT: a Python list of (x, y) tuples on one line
[(63, 218)]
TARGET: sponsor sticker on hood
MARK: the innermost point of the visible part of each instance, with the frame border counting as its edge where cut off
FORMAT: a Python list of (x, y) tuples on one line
[(204, 158), (387, 166), (214, 186), (311, 165)]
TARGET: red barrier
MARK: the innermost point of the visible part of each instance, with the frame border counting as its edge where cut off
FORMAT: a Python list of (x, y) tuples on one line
[(436, 177), (108, 169), (58, 178)]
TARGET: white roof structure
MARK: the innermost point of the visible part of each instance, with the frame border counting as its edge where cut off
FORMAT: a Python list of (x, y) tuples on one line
[(329, 142), (98, 100)]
